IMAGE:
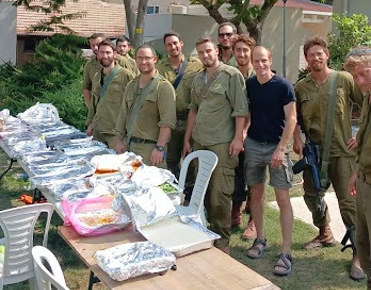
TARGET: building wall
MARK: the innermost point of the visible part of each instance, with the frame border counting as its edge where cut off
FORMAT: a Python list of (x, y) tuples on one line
[(191, 27), (163, 4), (8, 32), (352, 7)]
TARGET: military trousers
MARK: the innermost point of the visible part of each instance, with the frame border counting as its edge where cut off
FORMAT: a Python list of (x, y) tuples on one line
[(107, 139), (340, 171), (219, 194), (174, 153), (145, 150), (174, 156), (363, 225)]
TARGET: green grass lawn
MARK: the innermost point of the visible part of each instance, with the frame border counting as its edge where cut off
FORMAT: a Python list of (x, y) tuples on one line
[(323, 269)]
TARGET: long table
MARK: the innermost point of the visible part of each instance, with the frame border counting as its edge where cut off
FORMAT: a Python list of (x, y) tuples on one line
[(209, 269)]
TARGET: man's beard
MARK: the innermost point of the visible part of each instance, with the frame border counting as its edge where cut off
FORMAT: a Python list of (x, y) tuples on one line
[(105, 63)]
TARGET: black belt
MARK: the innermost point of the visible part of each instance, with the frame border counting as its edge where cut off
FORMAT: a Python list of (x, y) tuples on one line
[(182, 116), (140, 140)]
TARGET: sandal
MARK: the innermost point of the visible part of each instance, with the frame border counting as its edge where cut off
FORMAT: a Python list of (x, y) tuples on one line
[(285, 262), (255, 248)]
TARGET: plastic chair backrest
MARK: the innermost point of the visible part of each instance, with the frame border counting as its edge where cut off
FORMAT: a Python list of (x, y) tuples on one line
[(207, 161), (18, 226), (46, 279)]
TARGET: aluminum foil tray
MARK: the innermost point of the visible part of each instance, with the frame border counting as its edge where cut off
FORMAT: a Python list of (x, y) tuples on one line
[(179, 235)]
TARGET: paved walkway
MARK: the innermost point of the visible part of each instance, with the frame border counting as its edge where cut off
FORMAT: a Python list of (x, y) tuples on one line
[(301, 212)]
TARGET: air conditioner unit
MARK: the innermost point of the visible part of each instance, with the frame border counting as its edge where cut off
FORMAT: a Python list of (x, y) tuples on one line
[(177, 9)]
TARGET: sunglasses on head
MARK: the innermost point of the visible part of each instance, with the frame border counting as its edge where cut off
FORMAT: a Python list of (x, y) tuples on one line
[(228, 34)]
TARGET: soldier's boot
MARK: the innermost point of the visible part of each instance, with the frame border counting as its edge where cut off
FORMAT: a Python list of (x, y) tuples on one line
[(356, 272), (250, 231), (236, 215), (324, 239)]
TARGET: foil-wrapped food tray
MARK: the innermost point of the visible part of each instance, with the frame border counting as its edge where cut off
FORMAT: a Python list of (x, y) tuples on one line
[(180, 235), (134, 259)]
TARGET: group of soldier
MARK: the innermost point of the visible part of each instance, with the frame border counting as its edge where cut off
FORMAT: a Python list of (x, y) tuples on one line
[(231, 102)]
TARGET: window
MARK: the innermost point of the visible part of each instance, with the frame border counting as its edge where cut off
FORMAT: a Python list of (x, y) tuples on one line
[(30, 44), (153, 9)]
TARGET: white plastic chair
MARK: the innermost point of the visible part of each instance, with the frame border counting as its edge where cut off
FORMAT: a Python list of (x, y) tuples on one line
[(46, 279), (207, 161), (18, 226)]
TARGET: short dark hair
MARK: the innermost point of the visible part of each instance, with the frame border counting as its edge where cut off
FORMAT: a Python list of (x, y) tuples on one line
[(171, 33), (123, 39), (107, 42), (205, 39), (228, 23), (96, 35), (313, 41), (146, 46)]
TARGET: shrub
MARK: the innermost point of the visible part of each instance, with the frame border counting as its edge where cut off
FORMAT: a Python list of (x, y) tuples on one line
[(70, 104), (59, 63)]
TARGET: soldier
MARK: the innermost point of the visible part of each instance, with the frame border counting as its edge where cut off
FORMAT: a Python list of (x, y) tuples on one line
[(123, 57), (108, 86), (147, 114), (358, 63), (123, 46), (313, 97), (216, 119), (226, 32), (272, 123), (242, 47), (91, 67), (180, 71)]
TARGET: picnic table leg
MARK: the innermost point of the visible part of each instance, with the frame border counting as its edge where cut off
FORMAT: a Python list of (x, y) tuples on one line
[(10, 167), (92, 280)]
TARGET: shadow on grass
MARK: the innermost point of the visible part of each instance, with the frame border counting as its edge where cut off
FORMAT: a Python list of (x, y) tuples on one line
[(325, 269)]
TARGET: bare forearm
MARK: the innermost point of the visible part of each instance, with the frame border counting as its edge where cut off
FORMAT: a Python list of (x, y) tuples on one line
[(297, 133), (287, 133), (240, 125), (164, 136), (190, 124)]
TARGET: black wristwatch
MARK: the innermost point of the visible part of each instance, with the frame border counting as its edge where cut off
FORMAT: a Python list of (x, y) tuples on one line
[(160, 148)]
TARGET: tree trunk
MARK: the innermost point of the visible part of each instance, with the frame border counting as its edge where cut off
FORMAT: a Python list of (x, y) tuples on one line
[(130, 19), (139, 27), (255, 31)]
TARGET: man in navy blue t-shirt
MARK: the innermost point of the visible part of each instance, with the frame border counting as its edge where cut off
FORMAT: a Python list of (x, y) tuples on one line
[(273, 120)]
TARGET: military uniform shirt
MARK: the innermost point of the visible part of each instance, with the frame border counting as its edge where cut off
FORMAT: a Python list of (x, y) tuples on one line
[(127, 63), (217, 105), (158, 110), (312, 106), (91, 67), (103, 112), (183, 91), (364, 138)]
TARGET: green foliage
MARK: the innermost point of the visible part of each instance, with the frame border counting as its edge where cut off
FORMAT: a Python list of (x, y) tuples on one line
[(244, 12), (352, 31), (59, 66), (70, 104)]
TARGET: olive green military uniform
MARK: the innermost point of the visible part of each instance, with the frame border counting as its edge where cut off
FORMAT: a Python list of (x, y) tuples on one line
[(312, 104), (217, 103), (127, 63), (103, 111), (363, 188), (158, 110), (91, 67), (183, 99)]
